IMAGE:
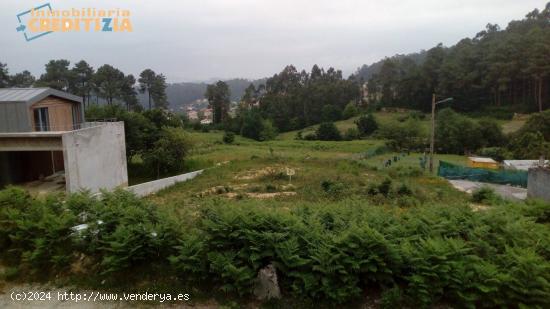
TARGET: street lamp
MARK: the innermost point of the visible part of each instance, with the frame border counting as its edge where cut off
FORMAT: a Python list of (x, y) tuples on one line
[(432, 141)]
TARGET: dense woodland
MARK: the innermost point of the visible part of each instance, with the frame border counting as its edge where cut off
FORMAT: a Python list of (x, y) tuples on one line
[(497, 68)]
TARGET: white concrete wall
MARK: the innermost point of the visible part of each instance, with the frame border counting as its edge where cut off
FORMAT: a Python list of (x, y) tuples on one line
[(95, 158), (147, 188), (538, 183)]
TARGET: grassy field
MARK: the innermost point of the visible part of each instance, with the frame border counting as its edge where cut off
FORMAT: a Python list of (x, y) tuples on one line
[(248, 169), (254, 170), (384, 118)]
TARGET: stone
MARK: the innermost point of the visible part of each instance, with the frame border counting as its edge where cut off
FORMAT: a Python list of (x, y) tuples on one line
[(267, 285)]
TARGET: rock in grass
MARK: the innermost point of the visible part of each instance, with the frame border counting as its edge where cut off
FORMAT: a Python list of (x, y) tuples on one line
[(267, 285)]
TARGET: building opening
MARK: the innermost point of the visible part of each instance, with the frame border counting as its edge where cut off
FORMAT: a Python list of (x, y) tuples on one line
[(35, 170)]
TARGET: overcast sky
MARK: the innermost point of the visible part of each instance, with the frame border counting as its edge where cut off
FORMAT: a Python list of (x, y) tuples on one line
[(203, 39)]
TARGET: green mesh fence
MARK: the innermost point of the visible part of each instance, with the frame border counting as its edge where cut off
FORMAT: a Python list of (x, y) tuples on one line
[(503, 177)]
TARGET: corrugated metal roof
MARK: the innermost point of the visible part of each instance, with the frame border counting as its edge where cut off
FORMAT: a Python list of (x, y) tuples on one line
[(32, 95), (19, 94)]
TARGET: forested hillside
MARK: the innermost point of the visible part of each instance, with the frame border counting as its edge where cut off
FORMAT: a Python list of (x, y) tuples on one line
[(507, 67), (182, 94)]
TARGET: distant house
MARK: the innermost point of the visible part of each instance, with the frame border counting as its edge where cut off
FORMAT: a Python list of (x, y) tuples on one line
[(192, 115), (43, 133), (207, 113), (479, 162)]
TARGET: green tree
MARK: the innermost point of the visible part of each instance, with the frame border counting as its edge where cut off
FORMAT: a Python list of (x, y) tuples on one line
[(330, 113), (539, 122), (158, 91), (491, 133), (162, 118), (529, 146), (327, 131), (457, 134), (57, 75), (252, 124), (218, 96), (147, 80), (22, 80), (268, 131), (406, 135), (366, 125), (293, 99), (538, 62), (109, 82), (82, 75), (128, 93), (4, 75), (350, 111), (168, 153), (140, 132)]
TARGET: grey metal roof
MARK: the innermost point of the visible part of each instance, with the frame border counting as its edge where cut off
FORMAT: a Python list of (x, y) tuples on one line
[(33, 95)]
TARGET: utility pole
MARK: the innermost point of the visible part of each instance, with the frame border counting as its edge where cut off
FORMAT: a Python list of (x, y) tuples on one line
[(432, 137)]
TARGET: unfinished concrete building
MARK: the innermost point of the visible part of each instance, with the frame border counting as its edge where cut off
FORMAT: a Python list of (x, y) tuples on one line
[(46, 145)]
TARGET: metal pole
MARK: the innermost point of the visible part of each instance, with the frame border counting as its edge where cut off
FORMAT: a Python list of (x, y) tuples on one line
[(432, 140)]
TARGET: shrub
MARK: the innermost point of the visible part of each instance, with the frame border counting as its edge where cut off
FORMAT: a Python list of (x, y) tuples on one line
[(404, 190), (257, 128), (351, 134), (385, 187), (404, 136), (529, 145), (268, 131), (366, 125), (327, 131), (331, 113), (168, 153), (333, 189), (350, 111), (140, 130), (484, 195), (417, 115), (310, 137), (538, 122), (37, 231), (228, 137), (459, 134), (491, 133)]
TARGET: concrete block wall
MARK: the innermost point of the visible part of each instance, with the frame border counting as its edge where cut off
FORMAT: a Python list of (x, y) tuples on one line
[(95, 158), (147, 188), (538, 183)]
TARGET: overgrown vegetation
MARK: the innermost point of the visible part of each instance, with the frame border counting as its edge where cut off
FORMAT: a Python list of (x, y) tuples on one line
[(329, 251), (154, 136)]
